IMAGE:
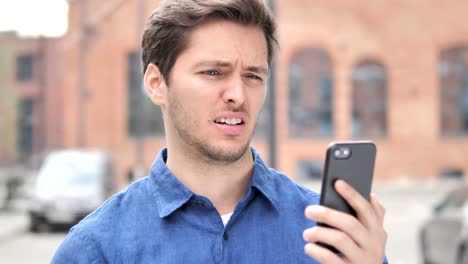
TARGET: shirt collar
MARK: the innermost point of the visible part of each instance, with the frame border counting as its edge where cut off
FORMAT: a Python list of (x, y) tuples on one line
[(171, 194), (262, 180)]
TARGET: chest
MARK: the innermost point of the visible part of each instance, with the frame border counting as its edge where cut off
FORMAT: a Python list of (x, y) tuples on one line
[(260, 237)]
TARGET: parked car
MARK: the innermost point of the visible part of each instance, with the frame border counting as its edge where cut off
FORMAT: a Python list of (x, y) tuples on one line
[(444, 237), (70, 184)]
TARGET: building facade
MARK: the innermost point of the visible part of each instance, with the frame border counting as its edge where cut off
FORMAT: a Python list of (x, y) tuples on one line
[(395, 72), (30, 96)]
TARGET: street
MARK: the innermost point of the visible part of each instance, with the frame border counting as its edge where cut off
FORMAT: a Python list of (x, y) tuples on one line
[(18, 245), (407, 205), (30, 248)]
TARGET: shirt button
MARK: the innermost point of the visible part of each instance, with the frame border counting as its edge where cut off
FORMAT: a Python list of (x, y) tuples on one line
[(201, 203), (225, 236)]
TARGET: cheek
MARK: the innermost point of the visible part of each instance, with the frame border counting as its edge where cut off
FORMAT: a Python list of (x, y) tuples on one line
[(197, 105), (188, 91), (198, 89)]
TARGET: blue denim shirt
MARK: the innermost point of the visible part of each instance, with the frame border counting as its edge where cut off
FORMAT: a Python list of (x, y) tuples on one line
[(159, 220)]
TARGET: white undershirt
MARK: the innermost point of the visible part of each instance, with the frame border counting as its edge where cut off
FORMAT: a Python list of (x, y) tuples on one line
[(226, 218)]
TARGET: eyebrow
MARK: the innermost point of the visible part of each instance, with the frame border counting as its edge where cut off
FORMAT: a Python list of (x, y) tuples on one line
[(258, 69), (224, 64), (213, 63)]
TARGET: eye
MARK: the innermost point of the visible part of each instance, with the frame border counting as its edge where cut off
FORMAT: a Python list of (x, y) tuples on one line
[(211, 72), (254, 77)]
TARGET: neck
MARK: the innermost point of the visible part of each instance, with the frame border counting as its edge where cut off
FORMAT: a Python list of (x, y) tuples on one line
[(225, 184)]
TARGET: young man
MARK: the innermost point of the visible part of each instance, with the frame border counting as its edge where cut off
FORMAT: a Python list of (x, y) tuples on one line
[(209, 198)]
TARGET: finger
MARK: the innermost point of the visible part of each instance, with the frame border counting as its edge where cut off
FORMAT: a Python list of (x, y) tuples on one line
[(378, 208), (333, 237), (364, 210), (339, 220), (321, 254)]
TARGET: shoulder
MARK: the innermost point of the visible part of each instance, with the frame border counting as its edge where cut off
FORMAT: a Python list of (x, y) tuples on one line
[(120, 206), (115, 215), (110, 221), (72, 247)]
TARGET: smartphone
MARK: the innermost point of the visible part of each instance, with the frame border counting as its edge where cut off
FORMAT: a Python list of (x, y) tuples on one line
[(352, 162)]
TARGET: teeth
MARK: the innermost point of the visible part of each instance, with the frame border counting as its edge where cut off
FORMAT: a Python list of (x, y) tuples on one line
[(229, 121)]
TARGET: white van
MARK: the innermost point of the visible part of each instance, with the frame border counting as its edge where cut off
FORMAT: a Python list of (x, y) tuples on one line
[(70, 184)]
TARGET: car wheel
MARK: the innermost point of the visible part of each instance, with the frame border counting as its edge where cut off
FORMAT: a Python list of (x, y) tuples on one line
[(463, 255), (425, 261), (33, 224), (38, 225), (3, 196)]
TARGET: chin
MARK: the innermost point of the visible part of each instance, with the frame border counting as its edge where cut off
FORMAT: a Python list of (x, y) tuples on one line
[(225, 153)]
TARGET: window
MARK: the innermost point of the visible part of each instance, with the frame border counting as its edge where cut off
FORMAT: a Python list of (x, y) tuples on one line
[(369, 95), (24, 68), (25, 127), (310, 94), (453, 80), (143, 115)]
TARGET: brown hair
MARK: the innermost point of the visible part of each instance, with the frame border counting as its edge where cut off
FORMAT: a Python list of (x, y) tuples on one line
[(166, 33)]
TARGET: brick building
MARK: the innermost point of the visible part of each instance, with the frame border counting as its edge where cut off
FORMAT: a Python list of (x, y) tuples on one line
[(30, 96), (395, 72)]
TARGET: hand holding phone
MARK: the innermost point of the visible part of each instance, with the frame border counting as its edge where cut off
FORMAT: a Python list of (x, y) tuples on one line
[(352, 162)]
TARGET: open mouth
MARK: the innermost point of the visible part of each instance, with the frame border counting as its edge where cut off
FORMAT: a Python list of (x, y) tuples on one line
[(229, 121)]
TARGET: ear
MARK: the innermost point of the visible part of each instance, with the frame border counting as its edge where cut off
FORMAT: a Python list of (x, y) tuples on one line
[(155, 85)]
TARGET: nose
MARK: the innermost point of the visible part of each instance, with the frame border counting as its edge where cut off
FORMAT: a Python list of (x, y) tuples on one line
[(234, 93)]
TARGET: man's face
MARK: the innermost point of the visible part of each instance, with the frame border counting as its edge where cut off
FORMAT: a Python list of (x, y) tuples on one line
[(216, 90)]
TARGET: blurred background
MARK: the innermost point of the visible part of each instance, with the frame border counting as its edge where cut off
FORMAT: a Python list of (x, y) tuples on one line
[(76, 126)]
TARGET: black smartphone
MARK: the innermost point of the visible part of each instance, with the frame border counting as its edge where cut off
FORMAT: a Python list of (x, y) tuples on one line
[(352, 162)]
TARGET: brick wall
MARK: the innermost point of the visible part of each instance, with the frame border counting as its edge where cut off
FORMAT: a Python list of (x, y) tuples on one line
[(44, 89), (405, 36)]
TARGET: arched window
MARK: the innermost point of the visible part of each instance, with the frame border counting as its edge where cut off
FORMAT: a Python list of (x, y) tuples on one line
[(453, 80), (310, 94), (369, 95), (144, 118)]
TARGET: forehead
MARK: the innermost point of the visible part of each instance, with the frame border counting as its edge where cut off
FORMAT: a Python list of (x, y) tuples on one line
[(225, 40)]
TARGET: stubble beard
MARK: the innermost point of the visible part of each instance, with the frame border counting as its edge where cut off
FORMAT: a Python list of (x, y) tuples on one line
[(182, 123)]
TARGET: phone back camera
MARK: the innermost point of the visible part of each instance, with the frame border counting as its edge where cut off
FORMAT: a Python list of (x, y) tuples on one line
[(342, 153)]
